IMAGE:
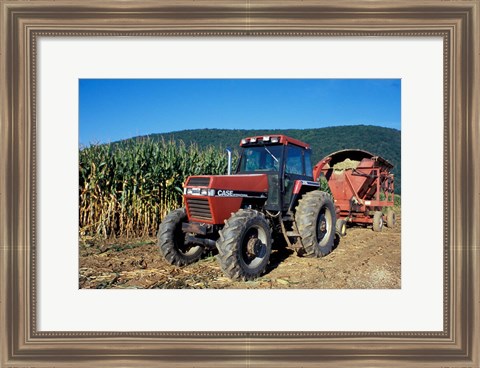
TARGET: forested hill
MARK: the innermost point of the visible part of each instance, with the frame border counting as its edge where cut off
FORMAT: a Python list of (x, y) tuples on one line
[(384, 142)]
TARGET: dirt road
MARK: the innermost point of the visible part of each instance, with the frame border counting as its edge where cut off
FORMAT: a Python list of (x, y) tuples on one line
[(362, 260)]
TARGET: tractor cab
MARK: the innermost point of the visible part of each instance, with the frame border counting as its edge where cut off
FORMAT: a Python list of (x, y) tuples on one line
[(285, 160)]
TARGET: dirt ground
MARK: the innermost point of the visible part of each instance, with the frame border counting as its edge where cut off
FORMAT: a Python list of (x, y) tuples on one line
[(363, 259)]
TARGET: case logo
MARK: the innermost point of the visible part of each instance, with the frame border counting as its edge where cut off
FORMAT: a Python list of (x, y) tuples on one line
[(225, 193)]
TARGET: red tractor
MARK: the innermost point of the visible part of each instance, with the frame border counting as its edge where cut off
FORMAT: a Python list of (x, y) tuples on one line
[(272, 192)]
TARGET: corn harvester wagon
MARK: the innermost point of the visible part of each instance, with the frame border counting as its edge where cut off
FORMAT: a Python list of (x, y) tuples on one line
[(361, 185)]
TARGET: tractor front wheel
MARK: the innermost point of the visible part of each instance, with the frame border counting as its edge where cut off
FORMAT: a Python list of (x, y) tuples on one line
[(171, 240), (244, 245), (315, 218)]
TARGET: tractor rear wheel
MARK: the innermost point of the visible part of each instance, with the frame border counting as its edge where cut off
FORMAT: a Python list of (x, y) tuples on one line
[(391, 218), (244, 245), (315, 218), (377, 221), (171, 240)]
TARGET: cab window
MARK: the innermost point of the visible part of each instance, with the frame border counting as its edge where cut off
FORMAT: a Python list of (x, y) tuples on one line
[(308, 163), (260, 158), (294, 164)]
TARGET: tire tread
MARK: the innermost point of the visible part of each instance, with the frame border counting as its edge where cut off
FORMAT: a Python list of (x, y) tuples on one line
[(305, 216), (227, 245), (166, 240)]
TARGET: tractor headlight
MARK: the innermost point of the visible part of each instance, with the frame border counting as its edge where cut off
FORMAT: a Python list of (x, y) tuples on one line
[(199, 191)]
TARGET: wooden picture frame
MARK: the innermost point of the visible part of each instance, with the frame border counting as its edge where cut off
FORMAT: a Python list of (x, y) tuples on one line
[(22, 22)]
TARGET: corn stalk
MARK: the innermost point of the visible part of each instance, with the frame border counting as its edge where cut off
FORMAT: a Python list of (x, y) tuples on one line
[(127, 188)]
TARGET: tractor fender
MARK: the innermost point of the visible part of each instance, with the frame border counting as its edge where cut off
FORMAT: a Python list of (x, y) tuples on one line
[(300, 188)]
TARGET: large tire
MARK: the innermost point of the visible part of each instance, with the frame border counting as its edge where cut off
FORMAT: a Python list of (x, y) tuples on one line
[(171, 240), (378, 221), (391, 218), (316, 219), (244, 245)]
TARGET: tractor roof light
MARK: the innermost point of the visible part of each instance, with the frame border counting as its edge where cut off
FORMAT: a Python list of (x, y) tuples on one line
[(253, 140), (274, 140), (266, 138), (244, 141)]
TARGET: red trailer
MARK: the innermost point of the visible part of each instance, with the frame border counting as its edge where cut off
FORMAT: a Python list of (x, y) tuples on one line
[(361, 185)]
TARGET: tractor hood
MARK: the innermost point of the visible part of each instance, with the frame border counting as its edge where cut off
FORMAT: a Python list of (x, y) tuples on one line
[(211, 199), (242, 185)]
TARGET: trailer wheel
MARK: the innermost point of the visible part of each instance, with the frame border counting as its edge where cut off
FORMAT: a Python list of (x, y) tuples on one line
[(391, 218), (315, 218), (171, 240), (341, 227), (377, 221), (244, 245)]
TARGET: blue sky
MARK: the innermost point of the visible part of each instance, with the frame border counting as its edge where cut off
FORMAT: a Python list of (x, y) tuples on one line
[(114, 109)]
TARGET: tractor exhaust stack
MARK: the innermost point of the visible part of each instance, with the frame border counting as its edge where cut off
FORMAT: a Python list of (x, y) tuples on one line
[(229, 153)]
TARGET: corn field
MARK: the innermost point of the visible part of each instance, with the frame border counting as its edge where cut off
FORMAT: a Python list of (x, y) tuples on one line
[(127, 188)]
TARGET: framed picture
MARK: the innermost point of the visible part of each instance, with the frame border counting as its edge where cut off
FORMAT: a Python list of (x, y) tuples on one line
[(51, 49)]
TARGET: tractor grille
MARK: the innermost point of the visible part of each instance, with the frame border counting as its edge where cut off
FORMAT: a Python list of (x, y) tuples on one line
[(198, 182), (199, 208)]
